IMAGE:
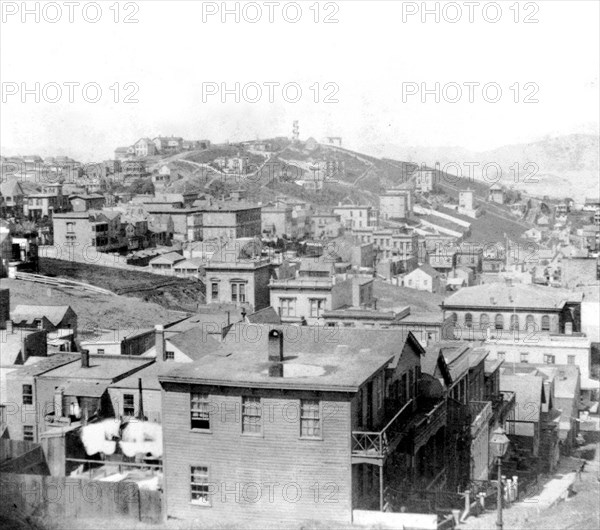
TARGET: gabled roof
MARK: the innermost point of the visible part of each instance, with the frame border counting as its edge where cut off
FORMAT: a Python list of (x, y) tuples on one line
[(29, 313), (193, 263), (195, 343), (529, 392), (11, 188), (169, 258), (267, 315), (427, 269)]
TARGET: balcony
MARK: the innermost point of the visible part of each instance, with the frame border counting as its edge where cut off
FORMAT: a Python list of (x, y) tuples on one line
[(481, 413), (502, 405), (368, 446)]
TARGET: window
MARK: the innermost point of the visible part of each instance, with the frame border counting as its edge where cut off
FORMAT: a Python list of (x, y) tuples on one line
[(251, 415), (316, 307), (499, 321), (514, 322), (238, 292), (501, 355), (310, 418), (128, 405), (484, 321), (199, 411), (468, 320), (100, 351), (404, 388), (214, 290), (170, 355), (287, 307), (549, 359), (524, 357), (545, 323), (379, 390), (27, 395), (411, 384), (199, 485), (28, 433), (529, 323), (570, 359), (70, 228), (417, 379)]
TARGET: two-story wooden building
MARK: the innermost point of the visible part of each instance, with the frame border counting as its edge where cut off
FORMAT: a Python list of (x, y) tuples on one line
[(293, 424)]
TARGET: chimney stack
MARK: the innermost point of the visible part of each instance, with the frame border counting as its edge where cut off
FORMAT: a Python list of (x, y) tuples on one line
[(58, 402), (276, 346), (159, 342), (85, 358)]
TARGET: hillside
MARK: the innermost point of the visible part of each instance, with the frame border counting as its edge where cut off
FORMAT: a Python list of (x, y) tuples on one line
[(390, 296), (93, 310), (351, 177), (567, 165), (171, 293)]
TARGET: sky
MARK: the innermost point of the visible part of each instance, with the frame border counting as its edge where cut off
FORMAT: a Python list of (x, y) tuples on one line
[(361, 74)]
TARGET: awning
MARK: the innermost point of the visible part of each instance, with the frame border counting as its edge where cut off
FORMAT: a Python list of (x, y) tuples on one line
[(85, 388)]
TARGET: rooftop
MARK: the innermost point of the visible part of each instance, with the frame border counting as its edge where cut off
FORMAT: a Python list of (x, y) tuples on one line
[(44, 364), (116, 335), (29, 313), (267, 315), (528, 389), (213, 320), (517, 296), (427, 269), (104, 367), (196, 342), (169, 258), (423, 318), (315, 358)]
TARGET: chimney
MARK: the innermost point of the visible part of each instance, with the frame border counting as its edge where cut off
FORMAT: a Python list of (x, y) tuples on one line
[(276, 370), (141, 405), (58, 402), (9, 327), (159, 342), (85, 358), (276, 345)]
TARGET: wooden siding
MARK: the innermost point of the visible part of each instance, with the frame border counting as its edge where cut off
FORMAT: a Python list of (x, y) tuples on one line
[(152, 402), (237, 462)]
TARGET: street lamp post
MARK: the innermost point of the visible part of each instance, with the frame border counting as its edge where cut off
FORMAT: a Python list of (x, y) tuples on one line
[(499, 444)]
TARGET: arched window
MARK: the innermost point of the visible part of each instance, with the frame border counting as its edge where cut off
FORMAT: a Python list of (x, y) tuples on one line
[(514, 322), (499, 321), (453, 318), (545, 323), (484, 320), (529, 323), (468, 320)]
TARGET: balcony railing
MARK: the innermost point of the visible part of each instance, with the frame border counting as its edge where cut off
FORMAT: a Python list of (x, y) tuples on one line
[(429, 423), (379, 444), (481, 412)]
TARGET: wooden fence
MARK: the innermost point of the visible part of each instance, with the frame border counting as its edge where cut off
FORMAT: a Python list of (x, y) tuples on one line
[(60, 282), (67, 497)]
